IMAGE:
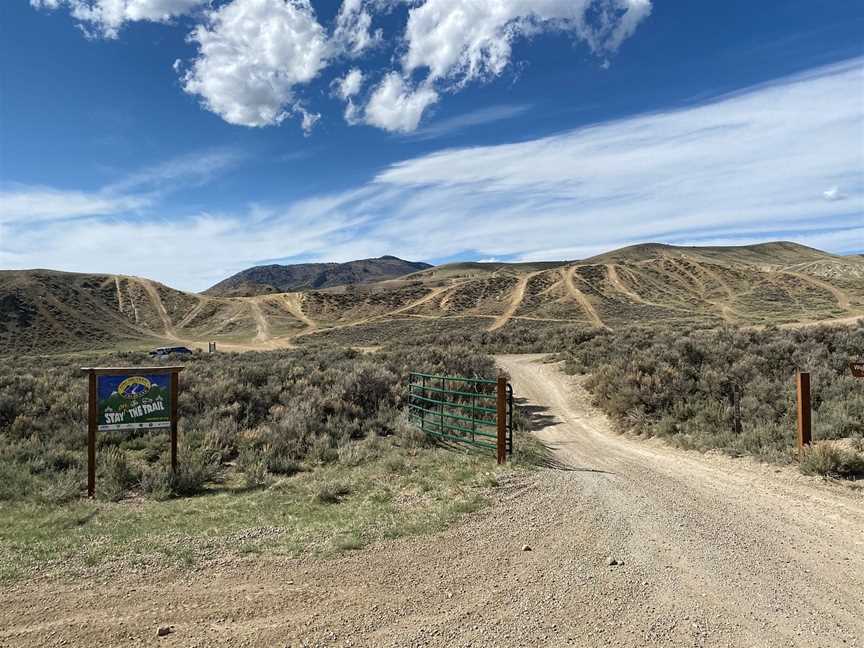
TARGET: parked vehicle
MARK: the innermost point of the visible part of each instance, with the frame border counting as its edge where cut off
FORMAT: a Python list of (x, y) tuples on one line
[(161, 352)]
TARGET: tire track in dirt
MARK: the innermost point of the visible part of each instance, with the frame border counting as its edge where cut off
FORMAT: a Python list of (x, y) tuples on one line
[(375, 318), (516, 299), (725, 309), (294, 305), (840, 296), (436, 292), (615, 280), (156, 300), (581, 298), (193, 313), (263, 326), (119, 294)]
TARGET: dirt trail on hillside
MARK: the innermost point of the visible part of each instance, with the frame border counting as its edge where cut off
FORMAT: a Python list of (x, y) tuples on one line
[(261, 324), (119, 293), (715, 552), (156, 300), (293, 303), (516, 298), (840, 296), (581, 298), (615, 280)]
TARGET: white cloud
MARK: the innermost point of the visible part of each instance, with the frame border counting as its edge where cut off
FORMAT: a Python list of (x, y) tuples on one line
[(395, 106), (471, 39), (308, 121), (833, 194), (254, 56), (24, 205), (737, 170), (192, 253), (742, 164), (251, 56), (622, 28), (353, 33), (346, 89), (477, 117), (107, 17), (28, 204), (460, 41), (349, 85), (195, 168)]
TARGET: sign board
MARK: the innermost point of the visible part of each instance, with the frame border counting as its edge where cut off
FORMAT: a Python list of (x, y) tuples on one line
[(857, 368), (130, 398), (133, 401)]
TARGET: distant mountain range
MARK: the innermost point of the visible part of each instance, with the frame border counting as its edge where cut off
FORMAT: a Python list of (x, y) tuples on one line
[(268, 279), (772, 283)]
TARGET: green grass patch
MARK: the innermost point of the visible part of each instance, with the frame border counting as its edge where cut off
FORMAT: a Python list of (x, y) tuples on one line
[(322, 511)]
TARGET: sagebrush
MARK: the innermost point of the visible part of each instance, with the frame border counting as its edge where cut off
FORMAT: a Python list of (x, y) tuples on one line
[(268, 413)]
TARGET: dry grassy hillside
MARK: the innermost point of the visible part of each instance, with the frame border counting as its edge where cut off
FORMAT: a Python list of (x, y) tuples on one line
[(775, 283)]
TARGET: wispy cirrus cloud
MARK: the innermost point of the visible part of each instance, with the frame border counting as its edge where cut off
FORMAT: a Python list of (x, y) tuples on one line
[(742, 168), (478, 117), (756, 159), (195, 168), (27, 204)]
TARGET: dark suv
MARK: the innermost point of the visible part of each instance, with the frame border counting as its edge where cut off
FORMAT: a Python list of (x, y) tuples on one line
[(166, 351)]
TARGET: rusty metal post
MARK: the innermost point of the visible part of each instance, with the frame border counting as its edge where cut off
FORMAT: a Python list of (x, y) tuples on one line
[(803, 388), (174, 391), (502, 419), (92, 415)]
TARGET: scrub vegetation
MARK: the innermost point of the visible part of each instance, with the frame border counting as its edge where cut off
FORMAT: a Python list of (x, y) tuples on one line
[(731, 389), (309, 450), (296, 451)]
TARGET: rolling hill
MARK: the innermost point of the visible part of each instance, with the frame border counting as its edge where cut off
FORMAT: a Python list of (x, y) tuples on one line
[(263, 280), (772, 283)]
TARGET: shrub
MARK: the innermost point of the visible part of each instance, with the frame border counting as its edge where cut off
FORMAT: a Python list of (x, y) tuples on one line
[(331, 492), (157, 482), (114, 475), (828, 460), (63, 487), (254, 469), (730, 389), (16, 482), (292, 408), (196, 469)]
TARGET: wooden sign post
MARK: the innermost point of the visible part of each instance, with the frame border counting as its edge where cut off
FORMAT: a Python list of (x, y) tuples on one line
[(130, 398), (803, 388), (501, 410)]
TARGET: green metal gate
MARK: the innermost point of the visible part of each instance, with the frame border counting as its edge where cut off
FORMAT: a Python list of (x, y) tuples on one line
[(470, 411)]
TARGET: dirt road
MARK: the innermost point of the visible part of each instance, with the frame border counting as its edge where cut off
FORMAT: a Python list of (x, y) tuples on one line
[(715, 552)]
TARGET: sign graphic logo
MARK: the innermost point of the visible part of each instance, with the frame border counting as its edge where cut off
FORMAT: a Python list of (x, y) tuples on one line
[(134, 387), (133, 402)]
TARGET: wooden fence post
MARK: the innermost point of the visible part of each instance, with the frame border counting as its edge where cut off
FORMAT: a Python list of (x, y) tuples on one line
[(92, 415), (174, 390), (803, 389), (502, 419)]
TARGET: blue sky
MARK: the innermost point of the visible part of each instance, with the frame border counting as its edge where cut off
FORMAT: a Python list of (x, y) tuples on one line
[(185, 140)]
